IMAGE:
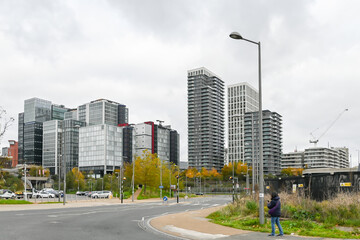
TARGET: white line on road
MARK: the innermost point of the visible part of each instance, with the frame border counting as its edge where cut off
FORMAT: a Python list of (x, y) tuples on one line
[(193, 234)]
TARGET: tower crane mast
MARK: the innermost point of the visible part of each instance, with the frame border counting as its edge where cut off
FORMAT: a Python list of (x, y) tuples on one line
[(316, 140)]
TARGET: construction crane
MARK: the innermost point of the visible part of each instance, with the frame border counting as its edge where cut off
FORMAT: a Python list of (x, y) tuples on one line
[(160, 122), (316, 140)]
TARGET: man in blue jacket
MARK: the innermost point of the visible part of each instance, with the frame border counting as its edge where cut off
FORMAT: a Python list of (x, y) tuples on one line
[(275, 212)]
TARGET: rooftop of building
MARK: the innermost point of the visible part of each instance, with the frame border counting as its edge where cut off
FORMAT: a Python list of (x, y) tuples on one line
[(202, 71), (242, 84), (104, 100)]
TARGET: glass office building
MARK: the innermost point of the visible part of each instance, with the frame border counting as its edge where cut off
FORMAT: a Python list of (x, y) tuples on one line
[(61, 143), (37, 110), (52, 138), (21, 138), (70, 141), (175, 147), (103, 111), (58, 112), (33, 143), (100, 148)]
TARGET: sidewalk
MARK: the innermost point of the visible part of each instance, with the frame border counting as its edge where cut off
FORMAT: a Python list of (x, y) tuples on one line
[(195, 225), (72, 204)]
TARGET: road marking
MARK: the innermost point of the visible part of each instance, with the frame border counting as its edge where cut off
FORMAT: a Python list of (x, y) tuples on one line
[(193, 234), (53, 216)]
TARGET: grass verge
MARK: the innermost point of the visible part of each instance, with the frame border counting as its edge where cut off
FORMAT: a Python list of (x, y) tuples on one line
[(304, 217), (13, 201)]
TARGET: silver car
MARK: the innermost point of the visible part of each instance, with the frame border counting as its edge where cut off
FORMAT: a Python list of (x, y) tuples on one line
[(7, 194), (101, 194)]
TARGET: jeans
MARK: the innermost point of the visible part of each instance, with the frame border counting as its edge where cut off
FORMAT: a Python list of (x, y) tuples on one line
[(277, 221)]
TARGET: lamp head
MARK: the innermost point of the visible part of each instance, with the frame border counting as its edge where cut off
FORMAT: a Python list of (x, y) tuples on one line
[(235, 35)]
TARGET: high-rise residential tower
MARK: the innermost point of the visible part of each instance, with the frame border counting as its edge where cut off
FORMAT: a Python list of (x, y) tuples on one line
[(205, 119), (272, 140), (242, 98)]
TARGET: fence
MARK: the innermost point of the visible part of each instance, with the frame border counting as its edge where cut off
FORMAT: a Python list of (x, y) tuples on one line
[(318, 186)]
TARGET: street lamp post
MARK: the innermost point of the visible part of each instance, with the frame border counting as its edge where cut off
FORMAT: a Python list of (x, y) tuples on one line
[(133, 181), (247, 180), (25, 193), (59, 175), (178, 189), (170, 177), (64, 166), (121, 182), (233, 181), (122, 189), (237, 36)]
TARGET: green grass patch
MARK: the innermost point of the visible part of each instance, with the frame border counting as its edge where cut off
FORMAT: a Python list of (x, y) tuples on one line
[(302, 228), (150, 193), (13, 201), (304, 217), (49, 202)]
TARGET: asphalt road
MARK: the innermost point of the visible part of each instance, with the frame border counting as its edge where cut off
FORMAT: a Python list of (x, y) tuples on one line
[(127, 221)]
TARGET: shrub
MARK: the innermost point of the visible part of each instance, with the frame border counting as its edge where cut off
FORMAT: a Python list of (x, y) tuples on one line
[(251, 206)]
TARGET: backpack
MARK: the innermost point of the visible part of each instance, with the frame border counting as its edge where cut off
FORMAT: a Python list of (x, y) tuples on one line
[(271, 211)]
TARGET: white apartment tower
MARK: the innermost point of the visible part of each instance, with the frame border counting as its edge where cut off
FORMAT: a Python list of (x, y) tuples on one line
[(242, 98)]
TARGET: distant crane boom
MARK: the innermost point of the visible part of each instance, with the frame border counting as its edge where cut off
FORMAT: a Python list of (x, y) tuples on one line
[(315, 141)]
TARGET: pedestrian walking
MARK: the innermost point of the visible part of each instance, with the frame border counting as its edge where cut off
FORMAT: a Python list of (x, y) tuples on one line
[(274, 211)]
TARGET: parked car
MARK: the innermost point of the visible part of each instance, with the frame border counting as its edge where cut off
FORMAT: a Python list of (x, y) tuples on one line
[(7, 194), (102, 194), (91, 193), (43, 194), (56, 193), (80, 193), (20, 194)]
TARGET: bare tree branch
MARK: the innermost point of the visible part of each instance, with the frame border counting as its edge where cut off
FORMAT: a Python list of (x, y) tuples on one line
[(5, 123)]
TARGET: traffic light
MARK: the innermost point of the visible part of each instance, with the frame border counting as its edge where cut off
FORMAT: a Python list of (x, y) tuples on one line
[(230, 178), (177, 176)]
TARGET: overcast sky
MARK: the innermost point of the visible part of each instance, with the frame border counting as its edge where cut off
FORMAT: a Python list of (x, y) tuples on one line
[(138, 53)]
